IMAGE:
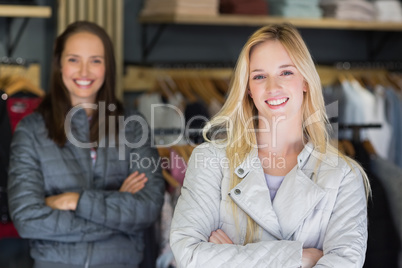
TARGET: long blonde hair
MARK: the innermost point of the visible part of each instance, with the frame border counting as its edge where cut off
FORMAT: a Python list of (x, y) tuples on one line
[(239, 111)]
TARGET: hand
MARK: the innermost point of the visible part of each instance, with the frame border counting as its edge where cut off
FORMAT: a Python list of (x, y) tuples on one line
[(219, 237), (134, 183), (310, 257), (64, 201)]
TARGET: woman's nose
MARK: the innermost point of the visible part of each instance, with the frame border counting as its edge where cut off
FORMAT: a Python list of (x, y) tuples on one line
[(84, 69), (272, 84)]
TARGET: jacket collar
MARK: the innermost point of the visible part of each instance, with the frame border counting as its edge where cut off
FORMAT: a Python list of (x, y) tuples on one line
[(294, 201)]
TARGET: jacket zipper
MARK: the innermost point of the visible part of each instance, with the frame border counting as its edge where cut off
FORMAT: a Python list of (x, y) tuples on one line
[(88, 260), (90, 184)]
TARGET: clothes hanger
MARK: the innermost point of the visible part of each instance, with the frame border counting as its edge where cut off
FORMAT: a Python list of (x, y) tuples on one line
[(382, 80), (342, 78), (393, 79), (349, 149), (211, 88), (15, 84), (341, 148), (367, 81), (181, 150), (199, 89), (368, 147), (164, 87), (183, 85), (222, 85)]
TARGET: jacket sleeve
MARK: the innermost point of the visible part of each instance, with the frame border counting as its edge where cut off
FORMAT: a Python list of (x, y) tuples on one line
[(345, 241), (197, 215), (26, 195), (128, 212)]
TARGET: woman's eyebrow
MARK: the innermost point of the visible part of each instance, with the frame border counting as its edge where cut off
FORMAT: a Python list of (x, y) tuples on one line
[(286, 66), (257, 70)]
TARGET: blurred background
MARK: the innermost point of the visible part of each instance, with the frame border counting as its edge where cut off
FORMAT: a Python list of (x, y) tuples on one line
[(182, 52)]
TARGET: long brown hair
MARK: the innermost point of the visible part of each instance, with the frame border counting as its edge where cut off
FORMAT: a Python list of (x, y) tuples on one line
[(57, 102)]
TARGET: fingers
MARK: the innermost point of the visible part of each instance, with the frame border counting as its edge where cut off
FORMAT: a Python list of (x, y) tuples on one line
[(310, 257), (219, 237), (64, 201), (134, 182), (133, 188)]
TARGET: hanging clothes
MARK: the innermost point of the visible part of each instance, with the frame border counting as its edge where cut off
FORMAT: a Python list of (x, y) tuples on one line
[(358, 105), (390, 176), (5, 141), (380, 138), (17, 105), (383, 244), (394, 115), (163, 116), (21, 105)]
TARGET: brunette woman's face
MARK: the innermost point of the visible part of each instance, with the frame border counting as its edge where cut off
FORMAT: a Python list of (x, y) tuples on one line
[(275, 84), (83, 67)]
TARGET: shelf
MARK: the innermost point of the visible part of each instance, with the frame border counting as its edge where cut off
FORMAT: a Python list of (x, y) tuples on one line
[(25, 11), (244, 20)]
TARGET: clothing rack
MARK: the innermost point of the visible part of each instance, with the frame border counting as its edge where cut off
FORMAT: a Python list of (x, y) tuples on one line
[(21, 66), (369, 65), (356, 129), (13, 61)]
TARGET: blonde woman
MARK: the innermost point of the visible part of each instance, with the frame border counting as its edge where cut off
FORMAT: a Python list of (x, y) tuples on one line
[(268, 190)]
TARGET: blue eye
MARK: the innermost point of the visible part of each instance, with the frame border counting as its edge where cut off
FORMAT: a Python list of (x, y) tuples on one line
[(258, 77), (286, 73), (97, 61), (72, 60)]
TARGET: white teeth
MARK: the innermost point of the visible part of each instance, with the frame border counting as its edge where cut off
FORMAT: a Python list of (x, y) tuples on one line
[(83, 82), (277, 102)]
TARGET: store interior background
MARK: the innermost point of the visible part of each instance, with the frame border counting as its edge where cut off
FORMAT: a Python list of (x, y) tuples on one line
[(205, 46)]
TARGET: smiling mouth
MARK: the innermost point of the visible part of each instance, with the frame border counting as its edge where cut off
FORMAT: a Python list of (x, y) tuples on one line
[(84, 82), (276, 102)]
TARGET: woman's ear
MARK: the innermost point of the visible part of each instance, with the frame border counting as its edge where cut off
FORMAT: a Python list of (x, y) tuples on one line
[(249, 93), (304, 86)]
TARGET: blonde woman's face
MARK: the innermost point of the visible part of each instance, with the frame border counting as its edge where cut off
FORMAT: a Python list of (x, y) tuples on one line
[(276, 86)]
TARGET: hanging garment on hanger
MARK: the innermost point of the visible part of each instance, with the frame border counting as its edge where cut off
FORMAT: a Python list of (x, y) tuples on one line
[(5, 141), (20, 105), (163, 116), (383, 244), (14, 84), (380, 138), (353, 109), (394, 116), (390, 176), (166, 258), (7, 229), (199, 111)]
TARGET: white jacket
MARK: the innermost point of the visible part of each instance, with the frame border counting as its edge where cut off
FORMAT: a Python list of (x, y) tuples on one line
[(329, 214)]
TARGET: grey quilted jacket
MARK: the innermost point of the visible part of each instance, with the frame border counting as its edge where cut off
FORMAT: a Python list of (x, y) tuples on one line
[(328, 213), (107, 226)]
